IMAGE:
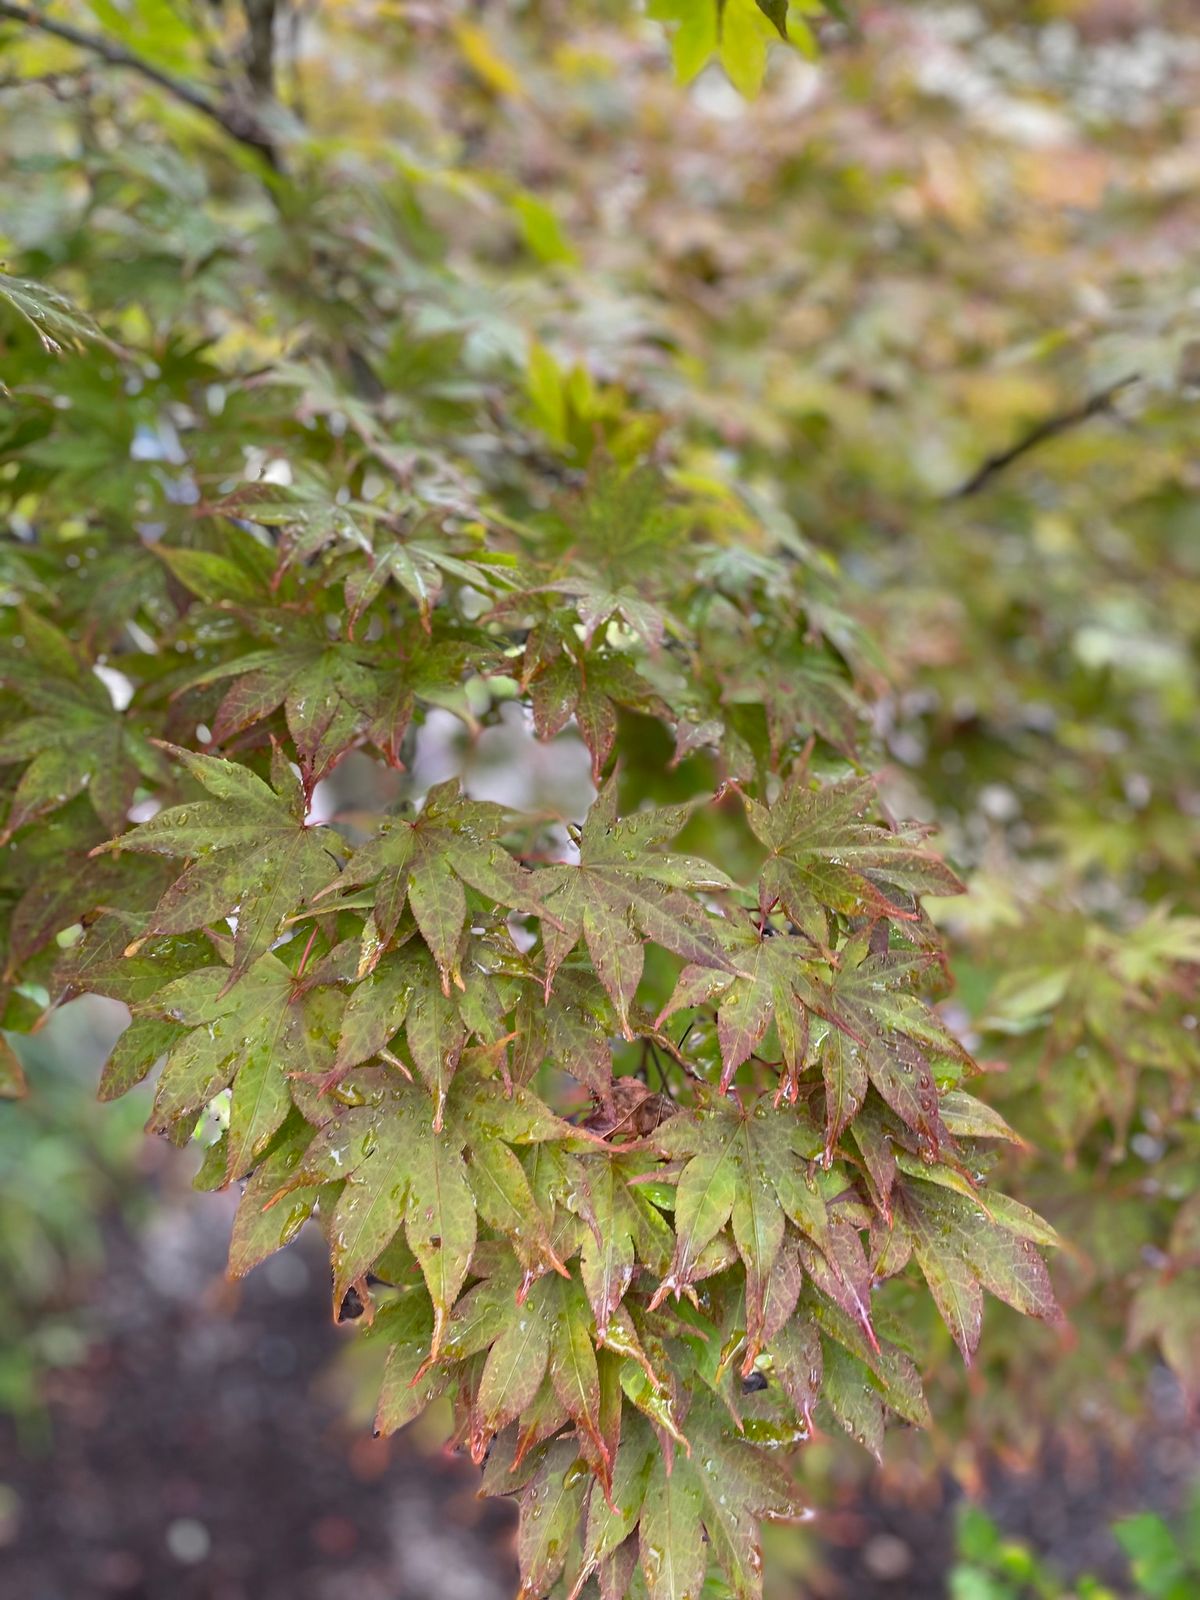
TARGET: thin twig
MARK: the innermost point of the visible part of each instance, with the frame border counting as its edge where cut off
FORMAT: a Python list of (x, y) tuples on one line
[(238, 122), (1093, 406)]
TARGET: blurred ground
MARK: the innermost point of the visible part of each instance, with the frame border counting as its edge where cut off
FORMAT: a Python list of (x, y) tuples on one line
[(202, 1452)]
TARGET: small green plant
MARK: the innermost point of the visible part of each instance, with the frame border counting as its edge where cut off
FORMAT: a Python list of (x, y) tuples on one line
[(1164, 1559), (1164, 1562)]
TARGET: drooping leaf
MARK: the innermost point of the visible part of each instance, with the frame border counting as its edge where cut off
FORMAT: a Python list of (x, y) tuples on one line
[(824, 856), (670, 1534), (251, 1035), (622, 890), (74, 739), (426, 862), (961, 1251), (251, 855)]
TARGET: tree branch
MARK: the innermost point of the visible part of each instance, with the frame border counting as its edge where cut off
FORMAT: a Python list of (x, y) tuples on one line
[(1093, 406), (237, 122), (260, 45)]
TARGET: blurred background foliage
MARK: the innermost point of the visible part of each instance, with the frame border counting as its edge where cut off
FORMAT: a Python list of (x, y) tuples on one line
[(929, 300)]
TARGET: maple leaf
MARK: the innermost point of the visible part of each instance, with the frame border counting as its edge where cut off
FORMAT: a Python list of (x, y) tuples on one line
[(888, 1370), (409, 1383), (310, 519), (800, 692), (571, 1027), (623, 889), (747, 1166), (252, 1035), (506, 1202), (425, 864), (962, 1250), (398, 1170), (550, 1511), (574, 1373), (75, 741), (395, 1172), (823, 856), (606, 1261), (260, 1229), (596, 603), (420, 568), (405, 989), (515, 1366), (670, 1533), (613, 1518), (58, 322), (327, 691), (739, 1486), (776, 986), (252, 854), (884, 1036), (589, 684), (335, 695)]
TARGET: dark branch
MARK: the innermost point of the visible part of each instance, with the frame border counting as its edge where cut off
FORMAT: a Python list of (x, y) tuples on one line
[(1093, 406), (260, 45), (235, 121)]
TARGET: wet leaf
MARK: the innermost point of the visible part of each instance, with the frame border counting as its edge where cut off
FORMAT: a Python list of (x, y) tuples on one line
[(251, 855)]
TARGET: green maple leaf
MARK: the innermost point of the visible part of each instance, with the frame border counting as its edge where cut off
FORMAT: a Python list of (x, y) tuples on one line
[(799, 692), (396, 1172), (624, 889), (251, 854), (882, 1035), (66, 886), (597, 603), (671, 1532), (550, 1510), (405, 989), (409, 1383), (962, 1250), (57, 321), (309, 518), (612, 1519), (260, 1229), (252, 1036), (824, 857), (606, 1261), (751, 1168), (776, 986), (452, 843), (399, 1171), (739, 1486), (515, 1366), (566, 680), (572, 1027), (337, 695), (75, 741), (507, 1204), (574, 1373), (420, 567), (327, 691), (798, 1360), (847, 1390)]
